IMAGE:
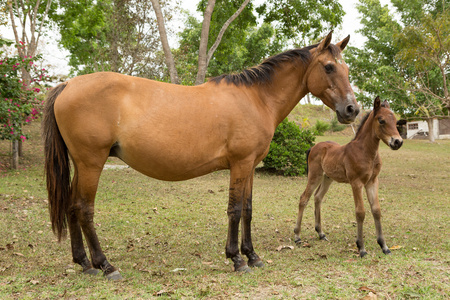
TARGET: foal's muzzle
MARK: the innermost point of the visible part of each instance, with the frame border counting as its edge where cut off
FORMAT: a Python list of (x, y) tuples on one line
[(395, 144)]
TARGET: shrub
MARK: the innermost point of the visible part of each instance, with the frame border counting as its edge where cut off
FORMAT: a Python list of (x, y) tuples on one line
[(335, 126), (321, 127), (287, 154)]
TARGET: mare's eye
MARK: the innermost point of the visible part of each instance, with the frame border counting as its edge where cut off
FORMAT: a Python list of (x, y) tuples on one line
[(381, 121), (329, 68)]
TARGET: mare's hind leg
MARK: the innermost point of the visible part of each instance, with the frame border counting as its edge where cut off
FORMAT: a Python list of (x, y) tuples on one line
[(372, 196), (84, 189), (314, 180), (76, 241), (318, 198)]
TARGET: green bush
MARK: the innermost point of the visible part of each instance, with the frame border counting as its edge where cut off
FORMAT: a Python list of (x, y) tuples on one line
[(287, 154), (335, 126), (321, 127)]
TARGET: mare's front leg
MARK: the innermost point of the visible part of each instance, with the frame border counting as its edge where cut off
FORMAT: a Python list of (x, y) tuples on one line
[(360, 213), (246, 241), (240, 180), (372, 196)]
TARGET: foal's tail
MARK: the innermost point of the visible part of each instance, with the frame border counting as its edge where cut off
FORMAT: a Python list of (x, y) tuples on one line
[(57, 166), (307, 155)]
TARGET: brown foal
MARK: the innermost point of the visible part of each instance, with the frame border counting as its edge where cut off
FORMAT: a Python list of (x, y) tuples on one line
[(357, 163)]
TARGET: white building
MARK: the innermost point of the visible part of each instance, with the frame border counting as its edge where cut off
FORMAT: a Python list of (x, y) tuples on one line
[(416, 129)]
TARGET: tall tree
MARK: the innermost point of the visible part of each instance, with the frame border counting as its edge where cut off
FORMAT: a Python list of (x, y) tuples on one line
[(110, 35), (405, 61), (302, 20), (31, 17), (165, 42)]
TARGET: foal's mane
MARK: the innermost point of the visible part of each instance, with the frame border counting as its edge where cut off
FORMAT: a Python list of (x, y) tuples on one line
[(263, 72), (363, 121)]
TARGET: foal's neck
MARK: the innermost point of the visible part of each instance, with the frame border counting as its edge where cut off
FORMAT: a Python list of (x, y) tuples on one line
[(367, 140)]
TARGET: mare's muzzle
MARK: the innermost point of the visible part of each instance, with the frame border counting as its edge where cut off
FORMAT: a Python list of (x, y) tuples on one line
[(347, 114)]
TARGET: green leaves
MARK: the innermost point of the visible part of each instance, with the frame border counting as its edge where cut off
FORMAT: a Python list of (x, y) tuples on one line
[(288, 148)]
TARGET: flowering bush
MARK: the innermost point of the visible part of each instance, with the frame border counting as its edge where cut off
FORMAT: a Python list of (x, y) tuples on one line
[(19, 102)]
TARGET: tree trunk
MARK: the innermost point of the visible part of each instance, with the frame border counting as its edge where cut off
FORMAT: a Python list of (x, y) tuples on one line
[(430, 123), (203, 56), (165, 43), (202, 53), (15, 155)]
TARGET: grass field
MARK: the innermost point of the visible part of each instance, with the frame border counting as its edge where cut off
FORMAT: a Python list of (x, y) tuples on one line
[(168, 239)]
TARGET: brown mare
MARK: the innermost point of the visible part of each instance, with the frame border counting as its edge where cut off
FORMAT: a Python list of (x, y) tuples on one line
[(357, 163), (173, 132)]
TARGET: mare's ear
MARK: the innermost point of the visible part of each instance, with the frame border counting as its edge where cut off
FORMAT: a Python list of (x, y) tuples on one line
[(325, 42), (376, 103), (343, 43), (385, 104)]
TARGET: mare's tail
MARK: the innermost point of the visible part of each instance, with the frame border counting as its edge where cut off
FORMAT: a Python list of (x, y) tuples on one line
[(57, 166)]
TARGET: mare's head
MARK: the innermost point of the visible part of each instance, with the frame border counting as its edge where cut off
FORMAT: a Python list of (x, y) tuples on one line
[(385, 124), (327, 79)]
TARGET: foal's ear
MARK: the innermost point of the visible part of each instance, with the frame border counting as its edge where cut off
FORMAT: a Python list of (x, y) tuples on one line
[(376, 103), (385, 104), (325, 42), (343, 43)]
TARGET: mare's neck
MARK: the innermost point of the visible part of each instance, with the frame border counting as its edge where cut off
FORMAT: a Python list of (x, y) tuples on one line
[(285, 91)]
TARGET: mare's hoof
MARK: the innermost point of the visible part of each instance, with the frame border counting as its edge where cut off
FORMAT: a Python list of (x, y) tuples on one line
[(362, 254), (387, 251), (114, 276), (298, 242), (243, 269), (257, 263), (91, 271)]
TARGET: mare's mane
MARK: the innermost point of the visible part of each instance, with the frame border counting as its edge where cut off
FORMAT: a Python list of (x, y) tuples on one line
[(263, 72)]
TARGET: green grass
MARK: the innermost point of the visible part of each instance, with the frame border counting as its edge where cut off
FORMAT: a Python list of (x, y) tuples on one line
[(149, 228)]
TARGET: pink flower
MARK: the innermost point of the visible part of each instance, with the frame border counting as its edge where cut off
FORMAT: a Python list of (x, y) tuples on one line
[(23, 138)]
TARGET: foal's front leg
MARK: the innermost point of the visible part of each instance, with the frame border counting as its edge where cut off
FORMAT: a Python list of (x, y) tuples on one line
[(372, 196), (360, 213)]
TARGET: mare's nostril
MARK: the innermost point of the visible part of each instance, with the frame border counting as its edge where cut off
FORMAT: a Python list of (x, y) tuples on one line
[(350, 109)]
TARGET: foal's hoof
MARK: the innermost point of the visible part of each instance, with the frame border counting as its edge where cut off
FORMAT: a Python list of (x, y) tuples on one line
[(258, 263), (298, 242), (114, 276), (362, 254), (323, 237), (387, 251), (91, 271)]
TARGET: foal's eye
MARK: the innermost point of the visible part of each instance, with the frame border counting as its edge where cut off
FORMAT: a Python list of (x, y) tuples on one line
[(381, 121), (329, 68)]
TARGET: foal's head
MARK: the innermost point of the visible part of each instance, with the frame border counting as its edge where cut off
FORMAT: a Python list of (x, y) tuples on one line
[(327, 79), (385, 124)]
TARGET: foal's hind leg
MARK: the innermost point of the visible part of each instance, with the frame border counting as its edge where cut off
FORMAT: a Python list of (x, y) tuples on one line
[(84, 190), (360, 213), (318, 198), (313, 181), (372, 196)]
